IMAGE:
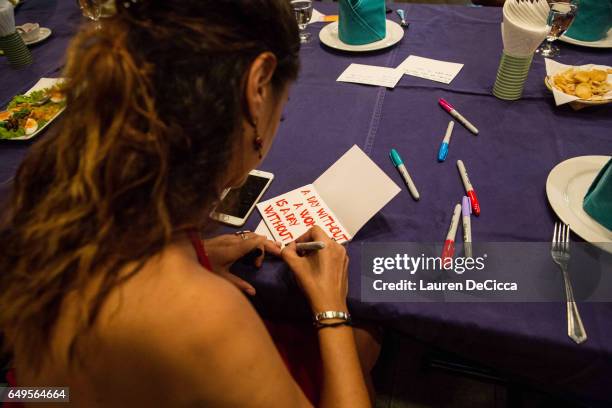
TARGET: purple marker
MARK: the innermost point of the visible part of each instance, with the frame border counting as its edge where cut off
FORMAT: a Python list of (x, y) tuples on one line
[(466, 210)]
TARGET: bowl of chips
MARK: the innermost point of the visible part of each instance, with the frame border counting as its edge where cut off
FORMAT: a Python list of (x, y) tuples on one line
[(580, 86)]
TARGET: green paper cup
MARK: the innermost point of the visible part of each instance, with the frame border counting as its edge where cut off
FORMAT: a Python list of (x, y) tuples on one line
[(15, 50), (511, 76)]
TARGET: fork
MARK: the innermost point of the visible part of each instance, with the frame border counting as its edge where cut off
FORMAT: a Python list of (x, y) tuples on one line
[(560, 252)]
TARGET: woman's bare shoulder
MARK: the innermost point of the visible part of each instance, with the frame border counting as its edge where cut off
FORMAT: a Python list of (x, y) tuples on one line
[(178, 322), (172, 293)]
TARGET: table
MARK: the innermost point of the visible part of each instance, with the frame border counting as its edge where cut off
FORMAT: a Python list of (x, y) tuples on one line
[(518, 145)]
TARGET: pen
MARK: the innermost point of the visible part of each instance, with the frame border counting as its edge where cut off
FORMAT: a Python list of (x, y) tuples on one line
[(468, 188), (443, 151), (449, 244), (310, 246), (250, 258), (399, 164), (453, 112), (466, 210)]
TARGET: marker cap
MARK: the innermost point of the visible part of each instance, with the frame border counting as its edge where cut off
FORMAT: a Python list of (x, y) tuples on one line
[(445, 105), (443, 152), (448, 251), (474, 201), (395, 158)]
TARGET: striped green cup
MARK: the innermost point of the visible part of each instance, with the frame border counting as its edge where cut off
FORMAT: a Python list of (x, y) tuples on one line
[(511, 76), (15, 50)]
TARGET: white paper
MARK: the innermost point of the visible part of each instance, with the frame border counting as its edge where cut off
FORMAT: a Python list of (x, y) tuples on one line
[(435, 70), (371, 75), (554, 67), (355, 188), (340, 201)]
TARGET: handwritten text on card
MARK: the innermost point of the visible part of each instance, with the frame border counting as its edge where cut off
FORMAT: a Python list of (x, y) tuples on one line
[(435, 70), (292, 214)]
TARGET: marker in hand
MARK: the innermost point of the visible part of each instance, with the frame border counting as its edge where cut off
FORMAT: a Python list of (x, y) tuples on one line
[(443, 151), (399, 164), (310, 246), (468, 188)]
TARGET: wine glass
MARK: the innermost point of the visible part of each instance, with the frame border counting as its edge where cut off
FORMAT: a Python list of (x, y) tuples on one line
[(92, 9), (560, 17), (303, 13)]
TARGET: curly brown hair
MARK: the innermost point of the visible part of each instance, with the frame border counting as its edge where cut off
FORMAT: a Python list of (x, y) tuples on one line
[(155, 100)]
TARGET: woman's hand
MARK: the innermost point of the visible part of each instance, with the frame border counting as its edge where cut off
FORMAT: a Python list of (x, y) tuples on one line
[(322, 274), (223, 251)]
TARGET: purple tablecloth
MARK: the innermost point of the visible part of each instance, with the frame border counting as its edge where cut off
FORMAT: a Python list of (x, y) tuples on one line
[(519, 143)]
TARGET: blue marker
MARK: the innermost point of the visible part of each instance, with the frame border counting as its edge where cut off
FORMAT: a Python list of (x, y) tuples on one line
[(443, 152), (399, 164)]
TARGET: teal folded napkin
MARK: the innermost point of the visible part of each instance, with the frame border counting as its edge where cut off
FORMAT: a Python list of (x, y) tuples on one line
[(598, 200), (361, 21), (593, 20)]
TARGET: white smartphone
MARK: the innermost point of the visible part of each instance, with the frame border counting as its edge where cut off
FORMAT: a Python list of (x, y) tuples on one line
[(238, 203)]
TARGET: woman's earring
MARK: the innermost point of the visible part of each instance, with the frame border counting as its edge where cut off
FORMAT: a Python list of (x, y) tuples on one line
[(258, 142), (258, 146)]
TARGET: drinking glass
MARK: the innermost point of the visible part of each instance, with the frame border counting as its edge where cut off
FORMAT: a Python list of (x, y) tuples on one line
[(561, 15), (303, 13), (92, 9)]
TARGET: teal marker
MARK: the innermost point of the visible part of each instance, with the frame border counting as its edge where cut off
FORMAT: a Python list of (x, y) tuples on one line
[(399, 164)]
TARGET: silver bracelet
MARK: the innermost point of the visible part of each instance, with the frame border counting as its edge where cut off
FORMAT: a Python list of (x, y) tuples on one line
[(331, 314)]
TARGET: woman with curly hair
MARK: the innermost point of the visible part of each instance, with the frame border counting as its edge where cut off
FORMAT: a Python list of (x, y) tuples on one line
[(107, 287)]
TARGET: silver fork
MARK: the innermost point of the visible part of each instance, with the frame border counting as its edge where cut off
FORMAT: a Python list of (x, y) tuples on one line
[(560, 251)]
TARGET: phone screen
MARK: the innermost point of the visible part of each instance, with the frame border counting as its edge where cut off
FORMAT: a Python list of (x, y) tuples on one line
[(239, 201)]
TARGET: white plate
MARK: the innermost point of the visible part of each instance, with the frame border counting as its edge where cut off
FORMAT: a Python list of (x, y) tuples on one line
[(329, 36), (41, 84), (566, 186), (44, 33), (603, 43)]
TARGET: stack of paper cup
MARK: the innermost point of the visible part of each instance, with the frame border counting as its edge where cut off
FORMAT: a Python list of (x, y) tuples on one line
[(11, 42), (523, 29), (511, 76)]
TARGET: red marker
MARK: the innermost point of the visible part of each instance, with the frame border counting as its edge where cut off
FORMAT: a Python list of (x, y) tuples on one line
[(468, 188), (449, 244)]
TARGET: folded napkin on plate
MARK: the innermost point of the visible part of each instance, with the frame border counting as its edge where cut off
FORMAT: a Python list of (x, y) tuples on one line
[(593, 20), (362, 21), (598, 199)]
